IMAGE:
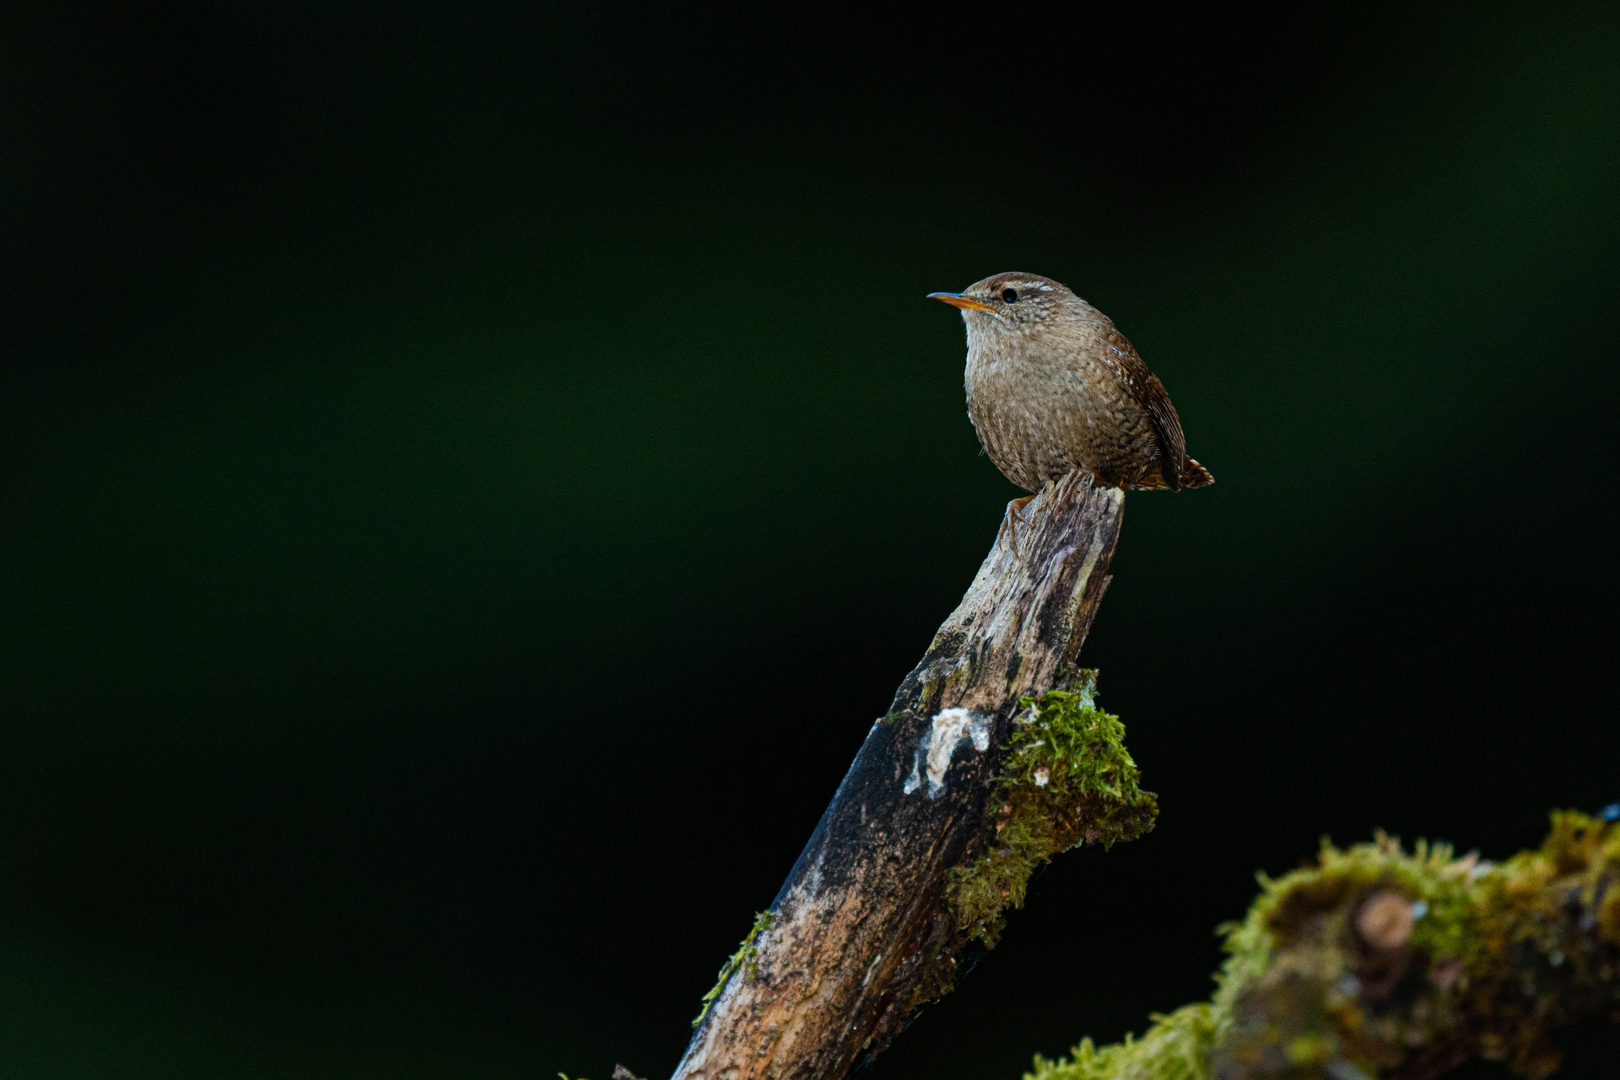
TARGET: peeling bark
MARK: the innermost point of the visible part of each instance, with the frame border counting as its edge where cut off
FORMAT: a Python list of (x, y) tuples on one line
[(861, 932)]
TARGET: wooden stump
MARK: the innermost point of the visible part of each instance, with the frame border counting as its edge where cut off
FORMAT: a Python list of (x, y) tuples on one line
[(862, 932)]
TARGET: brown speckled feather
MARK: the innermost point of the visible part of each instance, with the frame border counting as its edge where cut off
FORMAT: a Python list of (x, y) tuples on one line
[(1146, 388)]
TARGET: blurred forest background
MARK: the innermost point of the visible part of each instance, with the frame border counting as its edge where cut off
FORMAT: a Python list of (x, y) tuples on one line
[(472, 473)]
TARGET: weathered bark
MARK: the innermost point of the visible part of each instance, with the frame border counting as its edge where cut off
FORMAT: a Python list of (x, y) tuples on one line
[(862, 932)]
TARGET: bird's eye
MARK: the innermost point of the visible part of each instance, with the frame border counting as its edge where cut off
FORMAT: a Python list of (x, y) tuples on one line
[(1009, 295)]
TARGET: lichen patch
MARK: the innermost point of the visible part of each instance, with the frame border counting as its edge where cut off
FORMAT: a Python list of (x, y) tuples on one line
[(938, 745)]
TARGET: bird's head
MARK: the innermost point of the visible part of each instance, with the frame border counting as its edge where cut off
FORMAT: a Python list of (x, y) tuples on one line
[(1014, 303)]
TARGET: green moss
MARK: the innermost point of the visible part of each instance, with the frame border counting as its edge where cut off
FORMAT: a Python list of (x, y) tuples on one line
[(1068, 781), (745, 959), (1489, 960), (1175, 1048)]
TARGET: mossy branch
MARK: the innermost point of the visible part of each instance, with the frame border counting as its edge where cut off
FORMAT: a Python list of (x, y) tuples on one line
[(907, 864), (1378, 963), (1068, 780)]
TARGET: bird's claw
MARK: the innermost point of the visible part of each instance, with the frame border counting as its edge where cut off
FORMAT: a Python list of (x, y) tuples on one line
[(1007, 535)]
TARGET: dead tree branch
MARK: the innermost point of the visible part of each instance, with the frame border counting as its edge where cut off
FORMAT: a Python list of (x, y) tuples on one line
[(991, 758)]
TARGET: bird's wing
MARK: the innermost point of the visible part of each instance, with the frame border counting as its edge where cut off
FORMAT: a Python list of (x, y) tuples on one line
[(1146, 388)]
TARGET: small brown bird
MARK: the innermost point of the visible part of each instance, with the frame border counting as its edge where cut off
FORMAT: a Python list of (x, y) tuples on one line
[(1053, 387)]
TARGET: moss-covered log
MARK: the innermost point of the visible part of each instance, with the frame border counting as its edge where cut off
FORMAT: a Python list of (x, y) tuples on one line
[(1378, 963), (991, 758)]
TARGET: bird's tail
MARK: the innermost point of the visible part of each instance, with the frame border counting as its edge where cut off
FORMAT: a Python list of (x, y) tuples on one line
[(1194, 474)]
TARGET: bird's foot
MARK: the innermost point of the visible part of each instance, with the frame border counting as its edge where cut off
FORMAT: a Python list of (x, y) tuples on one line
[(1007, 534)]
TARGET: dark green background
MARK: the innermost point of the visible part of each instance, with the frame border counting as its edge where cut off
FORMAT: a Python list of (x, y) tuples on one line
[(472, 474)]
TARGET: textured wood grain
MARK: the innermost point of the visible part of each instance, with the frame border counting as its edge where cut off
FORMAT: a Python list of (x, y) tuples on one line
[(862, 933)]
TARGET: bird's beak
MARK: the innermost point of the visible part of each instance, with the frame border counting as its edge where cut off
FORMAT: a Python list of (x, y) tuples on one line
[(956, 299)]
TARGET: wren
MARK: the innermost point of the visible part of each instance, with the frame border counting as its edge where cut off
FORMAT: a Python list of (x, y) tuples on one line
[(1053, 387)]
